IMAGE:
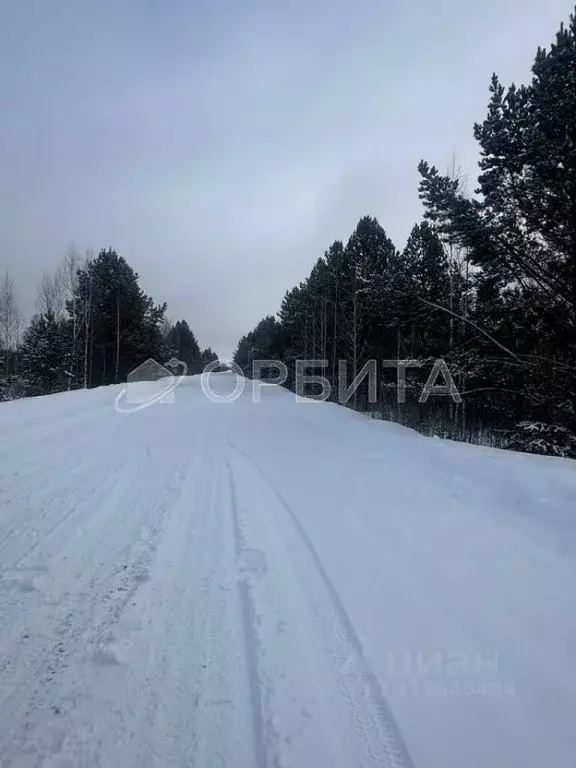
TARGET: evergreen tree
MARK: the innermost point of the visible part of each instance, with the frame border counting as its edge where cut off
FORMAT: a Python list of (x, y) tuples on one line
[(123, 323), (183, 345), (46, 354), (364, 299), (262, 343), (427, 289), (521, 233), (207, 356)]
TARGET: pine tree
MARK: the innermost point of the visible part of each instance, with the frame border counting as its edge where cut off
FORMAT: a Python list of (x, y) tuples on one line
[(207, 356), (521, 232), (122, 327), (428, 288), (46, 354), (183, 345)]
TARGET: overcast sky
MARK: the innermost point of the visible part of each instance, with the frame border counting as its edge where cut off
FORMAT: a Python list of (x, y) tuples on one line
[(221, 146)]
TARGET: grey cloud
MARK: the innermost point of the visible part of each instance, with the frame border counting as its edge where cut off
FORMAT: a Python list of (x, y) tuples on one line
[(221, 147)]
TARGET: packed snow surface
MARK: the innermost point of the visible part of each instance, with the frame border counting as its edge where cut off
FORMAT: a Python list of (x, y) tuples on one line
[(278, 584)]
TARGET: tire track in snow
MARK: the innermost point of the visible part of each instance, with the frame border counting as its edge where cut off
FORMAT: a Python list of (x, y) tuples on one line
[(78, 634), (47, 510), (251, 641), (179, 694), (357, 680)]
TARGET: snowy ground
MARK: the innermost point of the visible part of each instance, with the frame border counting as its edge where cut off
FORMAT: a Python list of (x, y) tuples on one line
[(278, 585)]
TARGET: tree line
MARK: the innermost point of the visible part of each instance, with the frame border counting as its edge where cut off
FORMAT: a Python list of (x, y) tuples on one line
[(486, 281), (94, 325)]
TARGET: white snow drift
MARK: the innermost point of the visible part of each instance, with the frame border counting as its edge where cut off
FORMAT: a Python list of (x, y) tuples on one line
[(278, 584)]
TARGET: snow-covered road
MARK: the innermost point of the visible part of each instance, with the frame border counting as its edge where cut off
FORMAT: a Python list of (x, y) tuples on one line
[(278, 585)]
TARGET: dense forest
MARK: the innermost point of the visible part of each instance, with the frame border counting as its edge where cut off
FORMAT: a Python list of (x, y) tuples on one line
[(94, 325), (486, 282)]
